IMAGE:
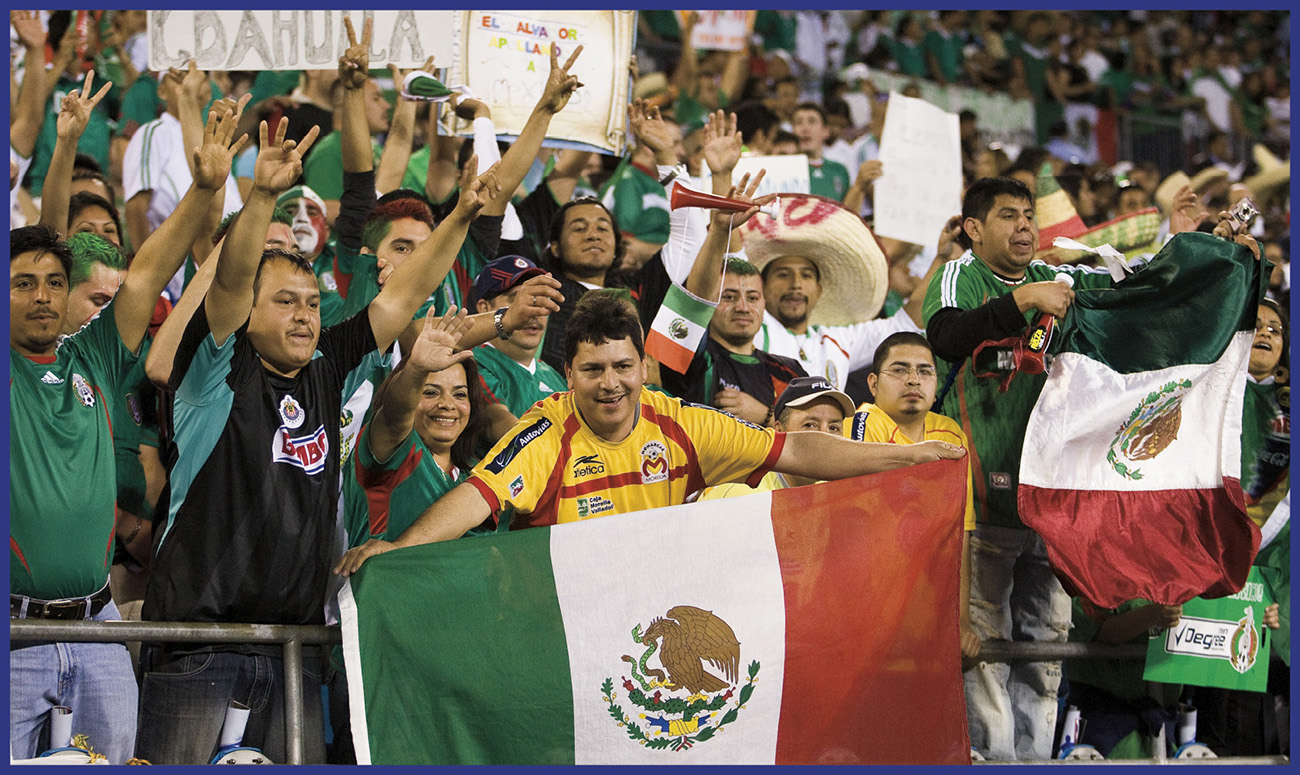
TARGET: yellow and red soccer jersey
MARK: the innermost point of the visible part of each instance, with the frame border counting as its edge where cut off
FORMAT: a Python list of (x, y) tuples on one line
[(552, 468), (870, 423)]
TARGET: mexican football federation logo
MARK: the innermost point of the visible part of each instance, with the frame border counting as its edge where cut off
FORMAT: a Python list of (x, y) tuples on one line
[(1244, 644), (1151, 428), (680, 703), (84, 393)]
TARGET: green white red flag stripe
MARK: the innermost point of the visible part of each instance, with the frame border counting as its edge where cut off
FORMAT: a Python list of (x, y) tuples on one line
[(1132, 457), (679, 326), (826, 615)]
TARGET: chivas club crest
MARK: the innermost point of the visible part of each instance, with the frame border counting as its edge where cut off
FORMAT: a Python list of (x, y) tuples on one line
[(679, 702), (84, 392), (1151, 428), (291, 412)]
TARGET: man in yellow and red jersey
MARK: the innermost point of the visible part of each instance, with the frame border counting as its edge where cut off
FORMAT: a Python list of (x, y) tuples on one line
[(609, 446)]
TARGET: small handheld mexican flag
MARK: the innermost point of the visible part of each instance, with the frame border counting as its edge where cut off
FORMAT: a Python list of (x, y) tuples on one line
[(678, 328), (1132, 456), (812, 625)]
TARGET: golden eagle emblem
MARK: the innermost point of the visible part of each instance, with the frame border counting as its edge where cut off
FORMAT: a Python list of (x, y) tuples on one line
[(1149, 430), (681, 701)]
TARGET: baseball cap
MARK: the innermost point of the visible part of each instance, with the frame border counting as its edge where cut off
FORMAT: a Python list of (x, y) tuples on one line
[(804, 390), (503, 274)]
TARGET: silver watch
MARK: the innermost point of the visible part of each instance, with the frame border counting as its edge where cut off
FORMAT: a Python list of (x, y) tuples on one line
[(497, 317)]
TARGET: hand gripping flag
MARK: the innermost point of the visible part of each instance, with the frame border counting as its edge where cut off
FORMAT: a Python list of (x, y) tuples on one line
[(802, 626), (1131, 462)]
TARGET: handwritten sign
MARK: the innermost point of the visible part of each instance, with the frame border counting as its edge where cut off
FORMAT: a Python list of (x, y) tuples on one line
[(722, 30), (294, 40), (786, 174), (504, 57), (920, 188)]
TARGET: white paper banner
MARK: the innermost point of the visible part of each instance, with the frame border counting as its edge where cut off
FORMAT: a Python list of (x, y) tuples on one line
[(294, 40), (920, 188), (786, 174), (504, 58), (722, 30)]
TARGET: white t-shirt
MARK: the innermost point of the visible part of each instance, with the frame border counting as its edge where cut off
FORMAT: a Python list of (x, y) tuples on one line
[(155, 161), (831, 351)]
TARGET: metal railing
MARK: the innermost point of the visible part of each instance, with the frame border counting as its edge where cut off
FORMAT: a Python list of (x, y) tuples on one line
[(293, 637), (290, 637)]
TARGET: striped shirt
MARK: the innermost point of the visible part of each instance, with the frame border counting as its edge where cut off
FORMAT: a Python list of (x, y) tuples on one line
[(553, 468)]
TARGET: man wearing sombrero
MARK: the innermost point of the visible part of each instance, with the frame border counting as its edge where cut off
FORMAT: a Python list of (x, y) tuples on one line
[(824, 281)]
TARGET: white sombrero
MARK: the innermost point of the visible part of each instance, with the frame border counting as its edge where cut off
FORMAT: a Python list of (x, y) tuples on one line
[(854, 272)]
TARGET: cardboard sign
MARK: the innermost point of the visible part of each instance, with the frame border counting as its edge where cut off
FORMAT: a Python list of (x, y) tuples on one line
[(920, 188), (504, 57), (1221, 642), (722, 30), (294, 40)]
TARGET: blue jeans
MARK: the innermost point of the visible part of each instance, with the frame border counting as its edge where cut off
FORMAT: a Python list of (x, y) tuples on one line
[(1014, 596), (183, 703), (94, 679)]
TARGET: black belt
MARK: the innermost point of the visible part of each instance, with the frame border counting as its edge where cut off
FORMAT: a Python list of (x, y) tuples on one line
[(22, 607)]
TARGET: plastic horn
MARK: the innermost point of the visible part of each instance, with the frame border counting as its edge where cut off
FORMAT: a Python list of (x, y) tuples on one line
[(684, 196), (232, 729), (60, 726)]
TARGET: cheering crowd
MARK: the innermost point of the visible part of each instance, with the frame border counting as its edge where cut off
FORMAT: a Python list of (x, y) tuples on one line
[(267, 325)]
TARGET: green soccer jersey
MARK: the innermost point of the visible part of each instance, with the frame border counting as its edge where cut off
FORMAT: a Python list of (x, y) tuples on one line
[(829, 179), (62, 478), (639, 204), (994, 422), (363, 283), (396, 490), (514, 385)]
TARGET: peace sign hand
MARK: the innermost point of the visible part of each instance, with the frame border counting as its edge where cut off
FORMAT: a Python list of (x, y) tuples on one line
[(354, 65), (560, 85), (74, 113)]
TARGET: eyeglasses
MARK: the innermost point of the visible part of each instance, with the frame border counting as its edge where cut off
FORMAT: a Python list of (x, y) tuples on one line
[(902, 372), (1272, 329)]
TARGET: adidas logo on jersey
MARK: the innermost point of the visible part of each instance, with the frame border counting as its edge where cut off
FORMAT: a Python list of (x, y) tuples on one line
[(51, 378)]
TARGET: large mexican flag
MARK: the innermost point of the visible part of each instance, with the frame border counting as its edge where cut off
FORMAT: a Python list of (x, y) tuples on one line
[(811, 625), (1132, 456)]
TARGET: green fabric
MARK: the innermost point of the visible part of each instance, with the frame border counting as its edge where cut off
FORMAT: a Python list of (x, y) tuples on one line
[(140, 104), (323, 171), (1265, 449), (829, 179), (435, 628), (331, 301), (126, 413), (512, 384), (63, 480), (1274, 563), (273, 83), (909, 56), (995, 422), (94, 141), (417, 170), (663, 23), (947, 50), (639, 204), (1168, 289)]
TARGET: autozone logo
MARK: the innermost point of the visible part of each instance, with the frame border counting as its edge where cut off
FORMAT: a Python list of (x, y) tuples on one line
[(306, 452)]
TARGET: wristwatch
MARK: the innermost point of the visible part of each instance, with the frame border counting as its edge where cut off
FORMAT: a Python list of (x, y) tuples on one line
[(497, 317)]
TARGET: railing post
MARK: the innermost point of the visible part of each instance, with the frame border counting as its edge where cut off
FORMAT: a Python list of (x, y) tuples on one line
[(293, 700)]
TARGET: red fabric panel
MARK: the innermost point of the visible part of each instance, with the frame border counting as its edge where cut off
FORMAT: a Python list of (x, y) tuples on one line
[(1167, 546), (871, 571), (1107, 134)]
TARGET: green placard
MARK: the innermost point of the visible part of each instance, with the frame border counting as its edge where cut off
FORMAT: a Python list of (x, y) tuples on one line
[(1221, 642)]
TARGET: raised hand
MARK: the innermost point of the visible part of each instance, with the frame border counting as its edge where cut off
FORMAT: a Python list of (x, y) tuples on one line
[(868, 172), (194, 83), (212, 160), (280, 163), (649, 128), (1187, 213), (743, 192), (948, 239), (354, 65), (399, 75), (560, 85), (74, 113), (435, 347), (475, 196), (722, 143), (537, 297), (27, 24)]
